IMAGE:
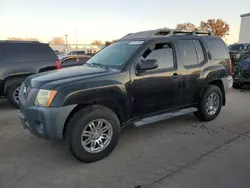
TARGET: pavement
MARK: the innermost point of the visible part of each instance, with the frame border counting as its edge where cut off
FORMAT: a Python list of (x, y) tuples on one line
[(180, 152)]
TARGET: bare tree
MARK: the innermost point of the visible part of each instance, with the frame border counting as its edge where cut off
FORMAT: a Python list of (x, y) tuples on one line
[(97, 43), (186, 26), (57, 40), (22, 39), (109, 42)]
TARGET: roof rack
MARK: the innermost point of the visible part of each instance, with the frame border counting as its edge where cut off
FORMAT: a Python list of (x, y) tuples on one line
[(164, 32)]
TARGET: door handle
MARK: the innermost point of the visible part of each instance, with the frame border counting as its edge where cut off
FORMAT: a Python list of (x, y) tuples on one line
[(175, 76)]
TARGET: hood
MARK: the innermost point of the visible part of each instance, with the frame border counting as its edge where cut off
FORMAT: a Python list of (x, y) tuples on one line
[(245, 64), (65, 75)]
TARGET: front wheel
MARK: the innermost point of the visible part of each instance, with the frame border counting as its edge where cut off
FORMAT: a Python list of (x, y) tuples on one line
[(13, 94), (92, 133), (210, 104)]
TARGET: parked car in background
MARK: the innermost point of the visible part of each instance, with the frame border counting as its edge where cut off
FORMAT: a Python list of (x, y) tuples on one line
[(58, 52), (142, 78), (241, 73), (77, 52), (18, 60), (72, 60), (239, 51)]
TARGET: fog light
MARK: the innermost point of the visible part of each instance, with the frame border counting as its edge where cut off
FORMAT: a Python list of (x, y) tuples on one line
[(40, 128)]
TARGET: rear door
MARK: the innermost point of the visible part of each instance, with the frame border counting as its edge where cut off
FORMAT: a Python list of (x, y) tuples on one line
[(193, 54)]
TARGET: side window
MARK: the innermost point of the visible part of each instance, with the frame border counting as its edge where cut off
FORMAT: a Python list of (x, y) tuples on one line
[(162, 52), (80, 52), (217, 48), (199, 50), (69, 61), (188, 52)]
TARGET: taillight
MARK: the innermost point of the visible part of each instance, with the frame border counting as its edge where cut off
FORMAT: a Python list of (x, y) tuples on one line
[(230, 67), (58, 65)]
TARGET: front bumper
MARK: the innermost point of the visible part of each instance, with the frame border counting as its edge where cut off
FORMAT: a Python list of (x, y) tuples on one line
[(241, 80), (47, 123)]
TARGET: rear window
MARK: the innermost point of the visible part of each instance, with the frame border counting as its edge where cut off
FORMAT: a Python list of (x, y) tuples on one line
[(217, 48), (28, 52)]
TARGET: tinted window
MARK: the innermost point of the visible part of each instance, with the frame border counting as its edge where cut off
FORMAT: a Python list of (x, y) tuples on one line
[(163, 53), (217, 48), (188, 52), (116, 54), (69, 61), (80, 52), (238, 47), (72, 53), (26, 52), (199, 50)]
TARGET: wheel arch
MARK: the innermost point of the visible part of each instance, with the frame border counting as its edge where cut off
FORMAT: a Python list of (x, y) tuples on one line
[(13, 79), (218, 83), (112, 105)]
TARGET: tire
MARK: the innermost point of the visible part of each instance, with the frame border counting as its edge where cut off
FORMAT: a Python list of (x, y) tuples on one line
[(12, 92), (237, 85), (202, 113), (80, 122)]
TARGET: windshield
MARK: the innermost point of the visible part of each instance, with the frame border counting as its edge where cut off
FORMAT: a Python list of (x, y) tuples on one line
[(238, 47), (116, 54)]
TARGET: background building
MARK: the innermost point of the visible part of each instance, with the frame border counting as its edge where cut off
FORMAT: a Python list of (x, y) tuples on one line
[(88, 48), (245, 28)]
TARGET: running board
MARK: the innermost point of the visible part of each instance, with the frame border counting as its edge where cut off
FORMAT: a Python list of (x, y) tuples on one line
[(165, 116)]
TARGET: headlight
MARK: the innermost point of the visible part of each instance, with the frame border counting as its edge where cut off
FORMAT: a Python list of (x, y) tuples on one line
[(45, 97)]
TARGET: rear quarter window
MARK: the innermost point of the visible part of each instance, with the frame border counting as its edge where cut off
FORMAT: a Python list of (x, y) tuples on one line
[(28, 52), (217, 48)]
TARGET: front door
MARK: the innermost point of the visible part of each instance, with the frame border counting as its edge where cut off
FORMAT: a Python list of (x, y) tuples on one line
[(158, 89)]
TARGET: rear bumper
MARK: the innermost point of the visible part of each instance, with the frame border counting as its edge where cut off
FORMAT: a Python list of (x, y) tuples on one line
[(228, 83), (47, 123)]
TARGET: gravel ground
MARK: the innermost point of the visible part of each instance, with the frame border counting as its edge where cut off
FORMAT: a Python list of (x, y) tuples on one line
[(180, 152)]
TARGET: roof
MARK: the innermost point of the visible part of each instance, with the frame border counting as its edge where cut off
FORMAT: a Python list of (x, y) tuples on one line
[(17, 41), (161, 33), (245, 15)]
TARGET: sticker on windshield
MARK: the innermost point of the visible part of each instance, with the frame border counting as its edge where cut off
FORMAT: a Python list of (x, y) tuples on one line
[(136, 42)]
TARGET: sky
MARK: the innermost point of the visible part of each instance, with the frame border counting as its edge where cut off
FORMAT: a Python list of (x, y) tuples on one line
[(84, 21)]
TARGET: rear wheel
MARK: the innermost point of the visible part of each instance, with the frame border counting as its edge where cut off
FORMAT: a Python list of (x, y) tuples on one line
[(13, 94), (210, 104), (92, 133)]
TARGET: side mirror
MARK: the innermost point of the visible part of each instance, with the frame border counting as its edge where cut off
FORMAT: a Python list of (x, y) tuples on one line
[(148, 65)]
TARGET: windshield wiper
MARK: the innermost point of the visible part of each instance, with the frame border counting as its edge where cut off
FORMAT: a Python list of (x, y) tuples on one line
[(101, 65)]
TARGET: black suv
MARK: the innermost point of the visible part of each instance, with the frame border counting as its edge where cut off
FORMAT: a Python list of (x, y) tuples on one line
[(20, 59), (142, 78)]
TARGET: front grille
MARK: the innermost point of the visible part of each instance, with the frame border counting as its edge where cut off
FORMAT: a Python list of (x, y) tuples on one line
[(246, 73)]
